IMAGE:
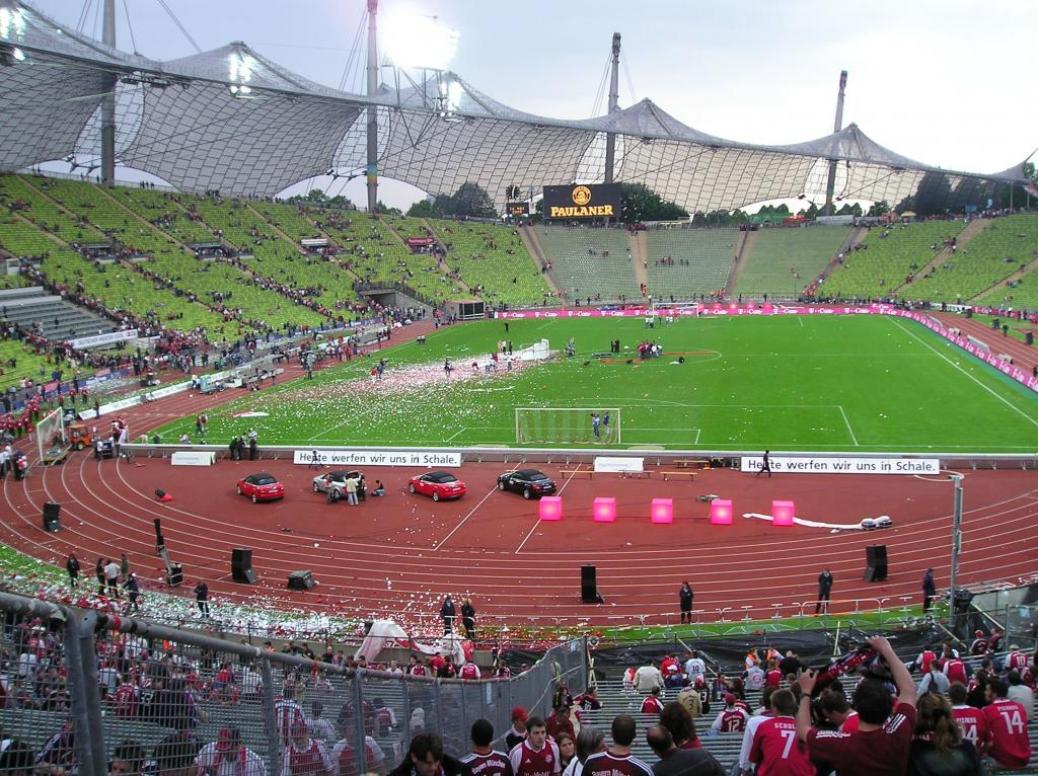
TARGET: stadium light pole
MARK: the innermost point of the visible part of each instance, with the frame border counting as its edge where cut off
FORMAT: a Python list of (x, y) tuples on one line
[(830, 183), (372, 168), (614, 105), (956, 544), (108, 81)]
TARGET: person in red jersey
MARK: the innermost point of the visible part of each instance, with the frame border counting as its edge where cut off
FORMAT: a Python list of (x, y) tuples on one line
[(776, 750), (881, 745), (732, 718), (483, 760), (955, 670), (469, 670), (1016, 659), (305, 756), (1007, 723), (772, 675), (925, 660), (536, 755), (559, 722), (617, 760), (979, 645), (971, 719), (416, 668), (652, 703)]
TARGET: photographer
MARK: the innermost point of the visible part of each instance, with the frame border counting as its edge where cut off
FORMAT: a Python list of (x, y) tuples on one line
[(884, 735)]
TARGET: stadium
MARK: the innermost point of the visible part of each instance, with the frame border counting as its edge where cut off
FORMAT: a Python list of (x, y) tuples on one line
[(600, 358)]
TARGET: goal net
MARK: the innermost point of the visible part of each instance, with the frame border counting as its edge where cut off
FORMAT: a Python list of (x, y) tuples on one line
[(568, 425), (51, 441)]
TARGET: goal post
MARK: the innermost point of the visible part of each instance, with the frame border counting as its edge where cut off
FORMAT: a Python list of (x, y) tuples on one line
[(568, 425), (51, 440)]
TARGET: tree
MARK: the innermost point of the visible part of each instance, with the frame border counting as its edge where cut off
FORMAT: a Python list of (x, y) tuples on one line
[(424, 208), (472, 200), (878, 209), (640, 203), (382, 209)]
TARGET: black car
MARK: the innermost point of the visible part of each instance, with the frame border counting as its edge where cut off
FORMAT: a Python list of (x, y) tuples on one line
[(529, 482)]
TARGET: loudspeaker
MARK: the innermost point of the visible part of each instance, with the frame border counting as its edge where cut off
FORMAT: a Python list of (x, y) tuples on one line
[(51, 516), (241, 566), (175, 575), (301, 580), (160, 540), (876, 563), (589, 585)]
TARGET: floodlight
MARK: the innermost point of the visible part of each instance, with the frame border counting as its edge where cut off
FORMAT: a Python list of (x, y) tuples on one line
[(240, 67), (415, 41), (11, 21)]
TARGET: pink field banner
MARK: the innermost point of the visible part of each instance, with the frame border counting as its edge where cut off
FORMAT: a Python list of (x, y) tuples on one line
[(719, 309)]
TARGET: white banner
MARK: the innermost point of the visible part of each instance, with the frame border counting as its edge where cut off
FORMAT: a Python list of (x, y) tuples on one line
[(103, 339), (193, 458), (613, 464), (437, 458), (833, 465)]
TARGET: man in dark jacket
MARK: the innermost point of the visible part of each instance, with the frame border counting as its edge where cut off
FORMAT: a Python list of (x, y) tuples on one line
[(679, 762), (929, 589), (425, 757), (685, 597), (72, 566), (468, 619), (825, 589), (448, 612)]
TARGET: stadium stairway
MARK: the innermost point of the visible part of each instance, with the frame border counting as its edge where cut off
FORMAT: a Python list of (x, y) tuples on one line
[(533, 246), (1021, 273), (973, 228), (638, 242), (743, 248), (61, 320)]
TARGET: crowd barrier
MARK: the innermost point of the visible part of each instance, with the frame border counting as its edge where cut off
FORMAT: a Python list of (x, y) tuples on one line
[(65, 667)]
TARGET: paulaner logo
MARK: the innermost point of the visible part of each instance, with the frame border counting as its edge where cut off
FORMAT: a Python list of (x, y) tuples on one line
[(581, 196)]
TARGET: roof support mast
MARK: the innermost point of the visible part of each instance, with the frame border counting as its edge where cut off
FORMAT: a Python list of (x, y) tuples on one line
[(614, 105), (108, 102), (830, 184), (372, 169)]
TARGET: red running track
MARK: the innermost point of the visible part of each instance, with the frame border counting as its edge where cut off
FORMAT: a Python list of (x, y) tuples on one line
[(398, 555)]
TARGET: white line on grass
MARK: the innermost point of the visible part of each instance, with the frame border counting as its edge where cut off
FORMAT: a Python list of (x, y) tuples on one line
[(854, 439), (471, 512), (698, 432), (452, 436), (537, 524), (930, 347)]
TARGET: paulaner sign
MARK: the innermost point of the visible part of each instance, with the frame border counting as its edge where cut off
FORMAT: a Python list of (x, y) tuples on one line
[(600, 200)]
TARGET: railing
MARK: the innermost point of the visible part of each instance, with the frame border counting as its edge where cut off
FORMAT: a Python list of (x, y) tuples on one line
[(85, 688)]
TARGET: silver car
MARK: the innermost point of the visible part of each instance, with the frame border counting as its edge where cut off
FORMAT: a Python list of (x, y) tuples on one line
[(333, 484)]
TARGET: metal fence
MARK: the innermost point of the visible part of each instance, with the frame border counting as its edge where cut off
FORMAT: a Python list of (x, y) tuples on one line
[(83, 689)]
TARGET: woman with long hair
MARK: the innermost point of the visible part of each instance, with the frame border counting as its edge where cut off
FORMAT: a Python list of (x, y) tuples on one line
[(938, 748)]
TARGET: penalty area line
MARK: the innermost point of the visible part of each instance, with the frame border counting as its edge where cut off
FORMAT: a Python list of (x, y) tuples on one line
[(850, 430)]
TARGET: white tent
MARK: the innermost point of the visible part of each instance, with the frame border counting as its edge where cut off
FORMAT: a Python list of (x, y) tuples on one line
[(386, 634)]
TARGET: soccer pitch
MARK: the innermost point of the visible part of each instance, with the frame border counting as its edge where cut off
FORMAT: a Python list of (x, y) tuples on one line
[(863, 383)]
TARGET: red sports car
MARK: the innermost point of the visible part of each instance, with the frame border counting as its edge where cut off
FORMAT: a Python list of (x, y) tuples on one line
[(260, 487), (438, 485)]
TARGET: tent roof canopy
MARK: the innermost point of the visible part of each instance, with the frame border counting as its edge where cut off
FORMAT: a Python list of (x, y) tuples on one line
[(434, 133)]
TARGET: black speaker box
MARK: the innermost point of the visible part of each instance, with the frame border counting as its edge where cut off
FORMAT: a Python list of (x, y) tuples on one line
[(589, 585), (241, 566), (51, 516), (301, 580), (876, 563), (175, 575)]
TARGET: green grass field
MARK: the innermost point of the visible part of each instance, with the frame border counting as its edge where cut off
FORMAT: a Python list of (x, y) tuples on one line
[(796, 383)]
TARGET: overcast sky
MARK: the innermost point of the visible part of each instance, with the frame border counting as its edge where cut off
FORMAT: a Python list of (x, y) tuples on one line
[(947, 83)]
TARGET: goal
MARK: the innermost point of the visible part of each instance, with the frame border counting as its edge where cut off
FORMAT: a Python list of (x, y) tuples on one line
[(568, 425), (51, 441)]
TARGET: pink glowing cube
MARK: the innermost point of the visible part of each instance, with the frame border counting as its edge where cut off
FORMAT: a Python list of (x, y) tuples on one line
[(662, 511), (782, 512), (550, 508), (604, 509), (721, 511)]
